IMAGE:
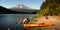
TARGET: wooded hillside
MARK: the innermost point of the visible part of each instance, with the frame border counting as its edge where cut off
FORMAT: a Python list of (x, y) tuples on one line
[(49, 7)]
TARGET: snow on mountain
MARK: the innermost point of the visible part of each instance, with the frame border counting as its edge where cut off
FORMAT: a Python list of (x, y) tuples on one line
[(21, 6)]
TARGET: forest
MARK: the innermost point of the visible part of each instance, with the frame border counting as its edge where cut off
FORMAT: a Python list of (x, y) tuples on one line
[(49, 8)]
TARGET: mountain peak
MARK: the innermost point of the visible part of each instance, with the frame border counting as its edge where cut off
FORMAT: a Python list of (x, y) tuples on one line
[(21, 6)]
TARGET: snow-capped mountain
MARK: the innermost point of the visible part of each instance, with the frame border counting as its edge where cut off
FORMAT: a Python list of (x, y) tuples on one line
[(23, 8), (20, 6)]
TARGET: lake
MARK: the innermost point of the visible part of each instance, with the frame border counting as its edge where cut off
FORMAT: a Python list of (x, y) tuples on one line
[(7, 21)]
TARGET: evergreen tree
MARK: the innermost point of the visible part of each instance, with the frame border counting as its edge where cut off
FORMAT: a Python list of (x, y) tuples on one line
[(49, 7)]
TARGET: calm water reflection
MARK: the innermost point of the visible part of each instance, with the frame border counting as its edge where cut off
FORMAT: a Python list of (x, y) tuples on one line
[(7, 20)]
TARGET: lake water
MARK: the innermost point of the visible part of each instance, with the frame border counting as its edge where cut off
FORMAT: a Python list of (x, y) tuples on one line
[(7, 21)]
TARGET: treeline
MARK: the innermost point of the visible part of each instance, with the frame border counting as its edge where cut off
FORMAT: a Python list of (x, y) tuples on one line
[(49, 7), (4, 10)]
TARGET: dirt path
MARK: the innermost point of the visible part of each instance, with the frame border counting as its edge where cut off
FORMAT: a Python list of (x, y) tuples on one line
[(51, 19)]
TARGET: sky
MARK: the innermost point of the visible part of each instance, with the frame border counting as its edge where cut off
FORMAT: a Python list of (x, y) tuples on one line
[(29, 3)]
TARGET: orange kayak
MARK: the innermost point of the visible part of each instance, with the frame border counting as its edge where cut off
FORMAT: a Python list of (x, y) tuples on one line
[(28, 26), (32, 25)]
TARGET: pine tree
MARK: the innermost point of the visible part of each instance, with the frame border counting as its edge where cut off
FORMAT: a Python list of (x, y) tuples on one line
[(49, 7)]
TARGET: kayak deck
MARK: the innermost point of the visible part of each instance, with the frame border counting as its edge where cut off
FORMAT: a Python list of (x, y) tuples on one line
[(32, 25)]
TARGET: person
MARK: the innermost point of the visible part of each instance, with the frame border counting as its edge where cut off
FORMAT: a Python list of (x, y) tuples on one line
[(25, 20)]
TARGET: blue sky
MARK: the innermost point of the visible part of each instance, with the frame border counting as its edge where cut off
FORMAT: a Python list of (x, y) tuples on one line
[(30, 3)]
